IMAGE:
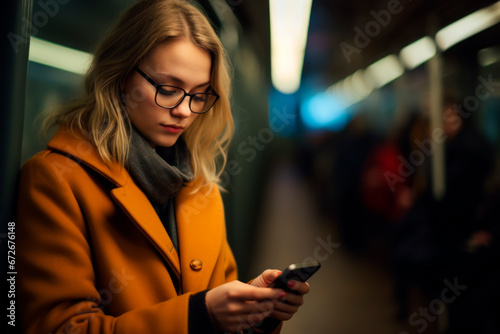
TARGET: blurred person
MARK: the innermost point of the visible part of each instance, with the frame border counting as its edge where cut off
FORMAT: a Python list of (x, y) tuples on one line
[(468, 214), (476, 310), (410, 251), (469, 162), (429, 243), (389, 186), (120, 223), (386, 193), (353, 146)]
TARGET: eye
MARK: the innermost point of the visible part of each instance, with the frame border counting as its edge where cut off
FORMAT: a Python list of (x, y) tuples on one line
[(201, 97), (168, 91)]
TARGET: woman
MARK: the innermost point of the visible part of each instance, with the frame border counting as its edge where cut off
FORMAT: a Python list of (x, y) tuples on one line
[(121, 223)]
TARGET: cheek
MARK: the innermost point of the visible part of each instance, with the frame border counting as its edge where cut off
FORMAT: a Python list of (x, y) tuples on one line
[(192, 118), (136, 97)]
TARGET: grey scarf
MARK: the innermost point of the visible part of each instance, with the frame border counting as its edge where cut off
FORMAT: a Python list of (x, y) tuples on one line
[(160, 173)]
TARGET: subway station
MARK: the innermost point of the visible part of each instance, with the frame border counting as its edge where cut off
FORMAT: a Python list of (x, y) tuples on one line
[(157, 154)]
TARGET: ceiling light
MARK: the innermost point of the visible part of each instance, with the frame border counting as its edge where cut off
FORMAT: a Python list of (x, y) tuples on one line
[(489, 56), (418, 52), (360, 85), (58, 56), (384, 71), (289, 27), (468, 26)]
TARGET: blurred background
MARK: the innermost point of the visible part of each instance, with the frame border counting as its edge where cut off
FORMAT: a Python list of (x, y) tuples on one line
[(366, 139)]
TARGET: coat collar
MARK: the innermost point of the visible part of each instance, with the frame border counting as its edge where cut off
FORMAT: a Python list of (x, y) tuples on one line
[(126, 193), (80, 147), (200, 216)]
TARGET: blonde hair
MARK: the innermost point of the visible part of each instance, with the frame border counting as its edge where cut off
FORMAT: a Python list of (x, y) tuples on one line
[(100, 113)]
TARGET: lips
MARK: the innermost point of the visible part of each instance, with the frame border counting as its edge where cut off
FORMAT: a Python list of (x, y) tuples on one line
[(172, 128)]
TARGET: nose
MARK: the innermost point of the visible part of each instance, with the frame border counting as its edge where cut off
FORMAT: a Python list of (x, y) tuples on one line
[(182, 110)]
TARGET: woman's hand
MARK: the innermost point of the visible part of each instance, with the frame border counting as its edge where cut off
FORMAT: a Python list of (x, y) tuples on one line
[(235, 306), (266, 278), (289, 305)]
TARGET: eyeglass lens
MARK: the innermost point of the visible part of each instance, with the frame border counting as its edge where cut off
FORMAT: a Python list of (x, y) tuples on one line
[(169, 97)]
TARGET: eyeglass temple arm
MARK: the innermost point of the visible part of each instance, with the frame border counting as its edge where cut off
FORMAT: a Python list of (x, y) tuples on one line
[(144, 75)]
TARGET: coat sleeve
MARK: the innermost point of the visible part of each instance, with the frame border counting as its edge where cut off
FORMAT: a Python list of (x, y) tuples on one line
[(56, 279)]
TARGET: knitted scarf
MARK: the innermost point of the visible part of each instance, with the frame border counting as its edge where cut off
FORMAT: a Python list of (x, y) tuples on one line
[(161, 173)]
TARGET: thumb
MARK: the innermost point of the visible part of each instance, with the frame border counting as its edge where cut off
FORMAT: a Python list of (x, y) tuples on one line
[(266, 278)]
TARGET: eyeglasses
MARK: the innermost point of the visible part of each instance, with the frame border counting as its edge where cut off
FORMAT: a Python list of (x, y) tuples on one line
[(169, 97)]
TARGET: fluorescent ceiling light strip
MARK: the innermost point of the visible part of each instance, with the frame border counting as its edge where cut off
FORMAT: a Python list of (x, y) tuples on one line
[(384, 71), (58, 56), (489, 56), (468, 26), (352, 89), (418, 52), (364, 88), (289, 27)]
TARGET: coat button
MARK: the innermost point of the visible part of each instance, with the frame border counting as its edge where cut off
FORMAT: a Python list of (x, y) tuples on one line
[(196, 265)]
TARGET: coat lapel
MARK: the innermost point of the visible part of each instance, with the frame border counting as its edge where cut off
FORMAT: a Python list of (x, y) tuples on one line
[(200, 216), (201, 229), (127, 194), (133, 201)]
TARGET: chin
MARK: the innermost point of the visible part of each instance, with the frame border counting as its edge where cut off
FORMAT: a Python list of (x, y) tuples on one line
[(165, 142)]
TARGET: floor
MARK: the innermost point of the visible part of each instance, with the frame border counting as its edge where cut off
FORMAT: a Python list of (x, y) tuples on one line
[(351, 294)]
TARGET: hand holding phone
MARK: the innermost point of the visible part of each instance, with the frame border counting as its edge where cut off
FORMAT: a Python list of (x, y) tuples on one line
[(296, 272)]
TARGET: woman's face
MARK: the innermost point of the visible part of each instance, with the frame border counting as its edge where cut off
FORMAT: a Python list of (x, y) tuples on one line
[(178, 63)]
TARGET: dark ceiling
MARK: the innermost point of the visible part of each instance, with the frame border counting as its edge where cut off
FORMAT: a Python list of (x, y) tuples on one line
[(337, 22), (334, 23)]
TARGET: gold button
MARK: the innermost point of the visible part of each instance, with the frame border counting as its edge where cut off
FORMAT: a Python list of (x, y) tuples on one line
[(196, 265)]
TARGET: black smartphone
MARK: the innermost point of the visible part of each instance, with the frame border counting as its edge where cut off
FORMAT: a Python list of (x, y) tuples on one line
[(297, 272)]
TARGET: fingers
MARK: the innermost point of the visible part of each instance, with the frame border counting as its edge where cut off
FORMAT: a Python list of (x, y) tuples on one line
[(235, 305), (244, 320), (285, 309), (297, 287), (270, 275), (264, 308), (252, 293), (266, 278), (283, 315), (291, 299), (237, 317), (288, 306)]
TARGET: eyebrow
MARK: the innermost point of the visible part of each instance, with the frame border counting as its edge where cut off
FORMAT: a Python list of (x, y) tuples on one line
[(180, 81)]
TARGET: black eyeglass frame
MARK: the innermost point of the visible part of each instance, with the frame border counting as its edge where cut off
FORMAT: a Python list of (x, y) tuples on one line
[(191, 95)]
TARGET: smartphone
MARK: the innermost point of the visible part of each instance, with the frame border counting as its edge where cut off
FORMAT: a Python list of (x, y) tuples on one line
[(297, 272)]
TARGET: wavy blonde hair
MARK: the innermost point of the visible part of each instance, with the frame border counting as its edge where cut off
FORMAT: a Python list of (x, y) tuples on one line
[(100, 112)]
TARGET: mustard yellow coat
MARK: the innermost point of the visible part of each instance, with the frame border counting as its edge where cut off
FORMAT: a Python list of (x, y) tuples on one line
[(93, 256)]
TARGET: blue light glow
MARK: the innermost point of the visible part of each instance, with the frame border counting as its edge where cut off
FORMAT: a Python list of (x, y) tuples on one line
[(324, 111), (282, 113)]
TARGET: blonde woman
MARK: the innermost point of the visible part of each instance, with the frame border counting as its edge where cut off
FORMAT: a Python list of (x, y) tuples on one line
[(121, 226)]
